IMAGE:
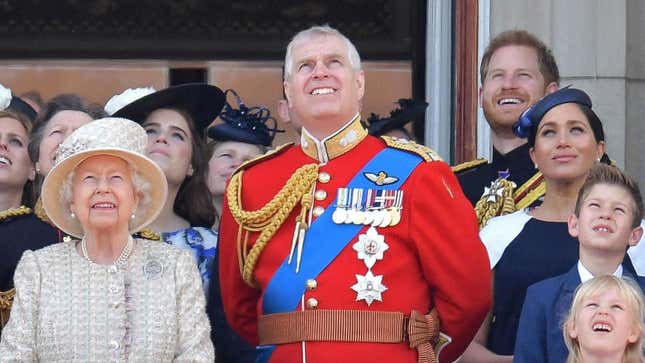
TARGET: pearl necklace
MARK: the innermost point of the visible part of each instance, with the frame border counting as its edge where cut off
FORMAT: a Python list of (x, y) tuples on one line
[(123, 257)]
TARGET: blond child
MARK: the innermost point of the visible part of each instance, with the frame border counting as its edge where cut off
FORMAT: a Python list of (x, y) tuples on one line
[(605, 323)]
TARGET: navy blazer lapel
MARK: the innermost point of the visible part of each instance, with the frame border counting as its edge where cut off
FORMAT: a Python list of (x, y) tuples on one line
[(572, 279), (569, 285)]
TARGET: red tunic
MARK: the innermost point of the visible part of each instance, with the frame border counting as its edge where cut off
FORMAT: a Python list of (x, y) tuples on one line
[(435, 258)]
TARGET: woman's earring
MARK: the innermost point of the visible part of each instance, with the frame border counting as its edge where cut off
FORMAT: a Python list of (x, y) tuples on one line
[(535, 165), (132, 216), (72, 215)]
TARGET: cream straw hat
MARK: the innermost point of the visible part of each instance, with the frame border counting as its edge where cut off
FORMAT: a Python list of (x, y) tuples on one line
[(108, 136)]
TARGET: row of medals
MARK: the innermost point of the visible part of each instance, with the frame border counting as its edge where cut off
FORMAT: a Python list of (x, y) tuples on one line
[(379, 208)]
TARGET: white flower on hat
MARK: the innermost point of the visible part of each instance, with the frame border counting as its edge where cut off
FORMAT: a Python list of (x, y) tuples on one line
[(5, 97), (125, 98)]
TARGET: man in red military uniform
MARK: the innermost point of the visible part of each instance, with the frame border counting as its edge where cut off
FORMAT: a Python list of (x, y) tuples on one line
[(348, 248)]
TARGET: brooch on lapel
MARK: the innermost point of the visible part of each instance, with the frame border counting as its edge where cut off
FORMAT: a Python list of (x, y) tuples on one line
[(153, 268)]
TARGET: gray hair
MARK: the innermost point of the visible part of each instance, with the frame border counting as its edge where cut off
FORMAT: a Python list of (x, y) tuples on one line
[(140, 184), (319, 31)]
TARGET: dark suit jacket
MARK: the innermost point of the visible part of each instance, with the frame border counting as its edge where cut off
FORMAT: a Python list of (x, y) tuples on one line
[(229, 347), (539, 337)]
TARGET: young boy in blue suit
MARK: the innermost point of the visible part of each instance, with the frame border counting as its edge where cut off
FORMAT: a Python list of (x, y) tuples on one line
[(606, 222)]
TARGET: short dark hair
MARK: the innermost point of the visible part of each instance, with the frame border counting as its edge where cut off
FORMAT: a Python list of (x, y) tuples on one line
[(62, 102), (546, 60), (610, 175)]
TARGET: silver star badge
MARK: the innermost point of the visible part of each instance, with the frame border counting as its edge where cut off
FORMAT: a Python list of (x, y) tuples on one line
[(493, 193), (370, 247), (369, 287)]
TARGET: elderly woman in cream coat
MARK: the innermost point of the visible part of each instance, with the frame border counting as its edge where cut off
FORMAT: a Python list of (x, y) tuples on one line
[(107, 296)]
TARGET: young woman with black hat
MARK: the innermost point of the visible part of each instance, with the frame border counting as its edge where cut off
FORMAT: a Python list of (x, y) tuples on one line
[(174, 119), (566, 139), (241, 136)]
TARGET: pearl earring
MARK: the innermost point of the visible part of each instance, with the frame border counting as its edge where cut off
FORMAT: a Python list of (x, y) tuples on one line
[(72, 215), (535, 165), (132, 216)]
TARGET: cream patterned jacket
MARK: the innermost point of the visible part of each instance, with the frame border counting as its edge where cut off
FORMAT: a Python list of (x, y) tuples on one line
[(68, 309)]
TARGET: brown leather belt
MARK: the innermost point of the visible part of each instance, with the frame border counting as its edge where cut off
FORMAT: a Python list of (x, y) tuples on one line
[(422, 331)]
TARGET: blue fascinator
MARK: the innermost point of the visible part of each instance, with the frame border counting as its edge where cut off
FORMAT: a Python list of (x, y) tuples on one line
[(530, 118), (244, 124)]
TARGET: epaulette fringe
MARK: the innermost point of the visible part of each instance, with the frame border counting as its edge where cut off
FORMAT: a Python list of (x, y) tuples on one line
[(410, 146), (465, 166)]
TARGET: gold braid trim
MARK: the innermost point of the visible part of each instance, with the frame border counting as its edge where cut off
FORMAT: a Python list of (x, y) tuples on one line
[(148, 233), (14, 212), (536, 193), (528, 185), (268, 219), (465, 166), (6, 301), (410, 146), (492, 204)]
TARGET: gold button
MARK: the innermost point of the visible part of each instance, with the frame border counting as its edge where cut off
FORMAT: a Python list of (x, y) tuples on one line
[(318, 210), (324, 177), (320, 195), (311, 284), (312, 303)]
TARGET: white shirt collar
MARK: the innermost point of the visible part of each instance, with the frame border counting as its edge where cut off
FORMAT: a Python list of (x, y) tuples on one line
[(586, 275)]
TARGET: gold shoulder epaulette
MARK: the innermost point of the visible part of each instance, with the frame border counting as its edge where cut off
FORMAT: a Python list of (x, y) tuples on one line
[(269, 154), (410, 146), (465, 166)]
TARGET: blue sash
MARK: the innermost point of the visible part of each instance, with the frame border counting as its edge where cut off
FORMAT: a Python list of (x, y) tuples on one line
[(324, 239)]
